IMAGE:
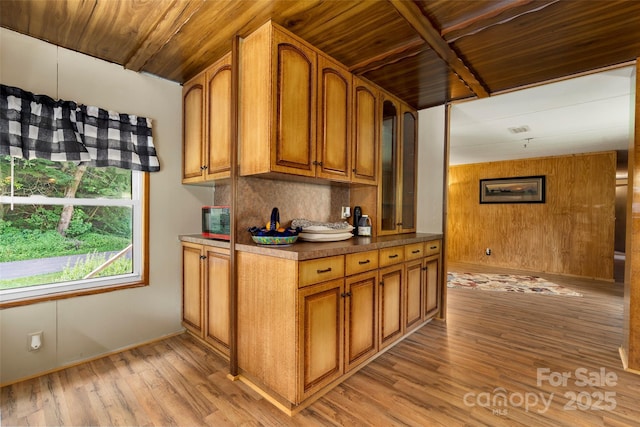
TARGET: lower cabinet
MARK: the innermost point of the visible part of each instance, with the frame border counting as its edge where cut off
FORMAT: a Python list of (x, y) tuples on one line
[(303, 325), (321, 310), (205, 289)]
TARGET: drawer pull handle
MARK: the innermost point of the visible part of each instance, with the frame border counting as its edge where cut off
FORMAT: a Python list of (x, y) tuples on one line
[(417, 251), (433, 247), (326, 270), (364, 262), (393, 256)]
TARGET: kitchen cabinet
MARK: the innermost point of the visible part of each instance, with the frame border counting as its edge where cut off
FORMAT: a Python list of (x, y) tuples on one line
[(207, 124), (205, 294), (305, 325), (391, 303), (361, 308), (414, 286), (321, 334), (277, 103), (432, 274), (365, 133), (334, 121), (397, 190)]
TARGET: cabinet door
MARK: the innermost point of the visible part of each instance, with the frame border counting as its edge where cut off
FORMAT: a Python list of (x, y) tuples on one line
[(432, 286), (408, 166), (390, 304), (218, 136), (365, 133), (294, 150), (361, 318), (321, 311), (192, 310), (414, 295), (193, 129), (334, 118), (388, 222), (217, 298)]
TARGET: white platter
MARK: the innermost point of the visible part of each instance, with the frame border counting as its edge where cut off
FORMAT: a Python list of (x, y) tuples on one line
[(315, 237), (318, 229)]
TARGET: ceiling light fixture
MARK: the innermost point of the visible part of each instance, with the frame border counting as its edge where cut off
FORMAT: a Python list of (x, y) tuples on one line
[(519, 129)]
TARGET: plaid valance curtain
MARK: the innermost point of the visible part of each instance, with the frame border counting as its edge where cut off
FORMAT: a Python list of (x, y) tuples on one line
[(36, 126)]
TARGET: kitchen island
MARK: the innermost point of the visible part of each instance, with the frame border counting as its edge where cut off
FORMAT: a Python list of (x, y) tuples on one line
[(312, 314)]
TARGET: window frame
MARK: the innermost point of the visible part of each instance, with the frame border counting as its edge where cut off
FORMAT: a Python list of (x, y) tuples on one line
[(62, 290)]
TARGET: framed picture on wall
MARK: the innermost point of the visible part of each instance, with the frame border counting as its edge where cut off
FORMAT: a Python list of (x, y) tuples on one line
[(522, 189)]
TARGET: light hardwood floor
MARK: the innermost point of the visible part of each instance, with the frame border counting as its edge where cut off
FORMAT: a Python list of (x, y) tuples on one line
[(444, 374)]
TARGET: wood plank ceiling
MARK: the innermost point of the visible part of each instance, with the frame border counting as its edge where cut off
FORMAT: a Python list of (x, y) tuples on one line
[(426, 52)]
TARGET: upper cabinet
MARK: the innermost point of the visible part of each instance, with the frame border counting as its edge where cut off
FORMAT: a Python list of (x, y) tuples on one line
[(301, 112), (365, 133), (277, 99), (207, 124), (334, 121), (398, 152)]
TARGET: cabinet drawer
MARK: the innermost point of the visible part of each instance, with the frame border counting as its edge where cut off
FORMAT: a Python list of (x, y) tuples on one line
[(414, 251), (393, 255), (432, 248), (361, 262), (321, 270)]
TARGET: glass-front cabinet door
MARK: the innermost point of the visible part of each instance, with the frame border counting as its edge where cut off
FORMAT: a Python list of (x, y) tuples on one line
[(398, 184), (408, 167), (389, 167)]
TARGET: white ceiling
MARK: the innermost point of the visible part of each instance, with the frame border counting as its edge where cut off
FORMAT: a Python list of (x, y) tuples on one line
[(585, 114)]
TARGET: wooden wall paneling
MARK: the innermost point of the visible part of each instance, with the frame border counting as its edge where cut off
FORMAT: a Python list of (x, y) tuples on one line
[(631, 343), (572, 233)]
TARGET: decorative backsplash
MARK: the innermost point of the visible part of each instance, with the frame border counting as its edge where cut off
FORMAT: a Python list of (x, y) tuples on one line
[(258, 196)]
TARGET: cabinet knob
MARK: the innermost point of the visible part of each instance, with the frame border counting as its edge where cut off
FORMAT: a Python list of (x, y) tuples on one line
[(425, 268), (203, 257), (398, 223), (317, 163), (381, 283), (204, 167), (345, 294)]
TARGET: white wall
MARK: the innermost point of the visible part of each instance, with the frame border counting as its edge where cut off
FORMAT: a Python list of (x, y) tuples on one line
[(80, 328), (431, 143)]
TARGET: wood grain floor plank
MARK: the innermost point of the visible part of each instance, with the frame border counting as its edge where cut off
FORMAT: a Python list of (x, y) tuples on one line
[(493, 344)]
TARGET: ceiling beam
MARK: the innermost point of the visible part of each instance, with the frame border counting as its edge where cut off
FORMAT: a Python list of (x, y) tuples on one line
[(176, 15), (414, 17)]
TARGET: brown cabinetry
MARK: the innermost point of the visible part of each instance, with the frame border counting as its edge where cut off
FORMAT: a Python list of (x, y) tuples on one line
[(205, 290), (316, 320), (398, 152), (321, 311), (207, 124), (432, 279), (334, 121), (277, 100), (365, 132)]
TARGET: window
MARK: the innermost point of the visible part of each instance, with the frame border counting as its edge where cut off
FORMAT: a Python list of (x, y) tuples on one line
[(69, 229)]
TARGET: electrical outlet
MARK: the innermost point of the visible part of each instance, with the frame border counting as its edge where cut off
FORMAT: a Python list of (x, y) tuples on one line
[(34, 341), (346, 212)]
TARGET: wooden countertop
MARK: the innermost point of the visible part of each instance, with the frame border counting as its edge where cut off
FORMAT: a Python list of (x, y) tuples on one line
[(300, 250)]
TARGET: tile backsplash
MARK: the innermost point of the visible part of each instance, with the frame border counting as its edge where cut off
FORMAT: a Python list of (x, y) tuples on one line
[(258, 196)]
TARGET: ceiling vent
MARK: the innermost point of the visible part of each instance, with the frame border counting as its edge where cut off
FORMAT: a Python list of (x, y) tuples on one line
[(519, 129)]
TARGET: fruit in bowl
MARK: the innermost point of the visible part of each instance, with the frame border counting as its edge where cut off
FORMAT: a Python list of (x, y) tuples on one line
[(273, 233)]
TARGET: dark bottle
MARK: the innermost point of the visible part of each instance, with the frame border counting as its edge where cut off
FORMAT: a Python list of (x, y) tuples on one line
[(357, 214)]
